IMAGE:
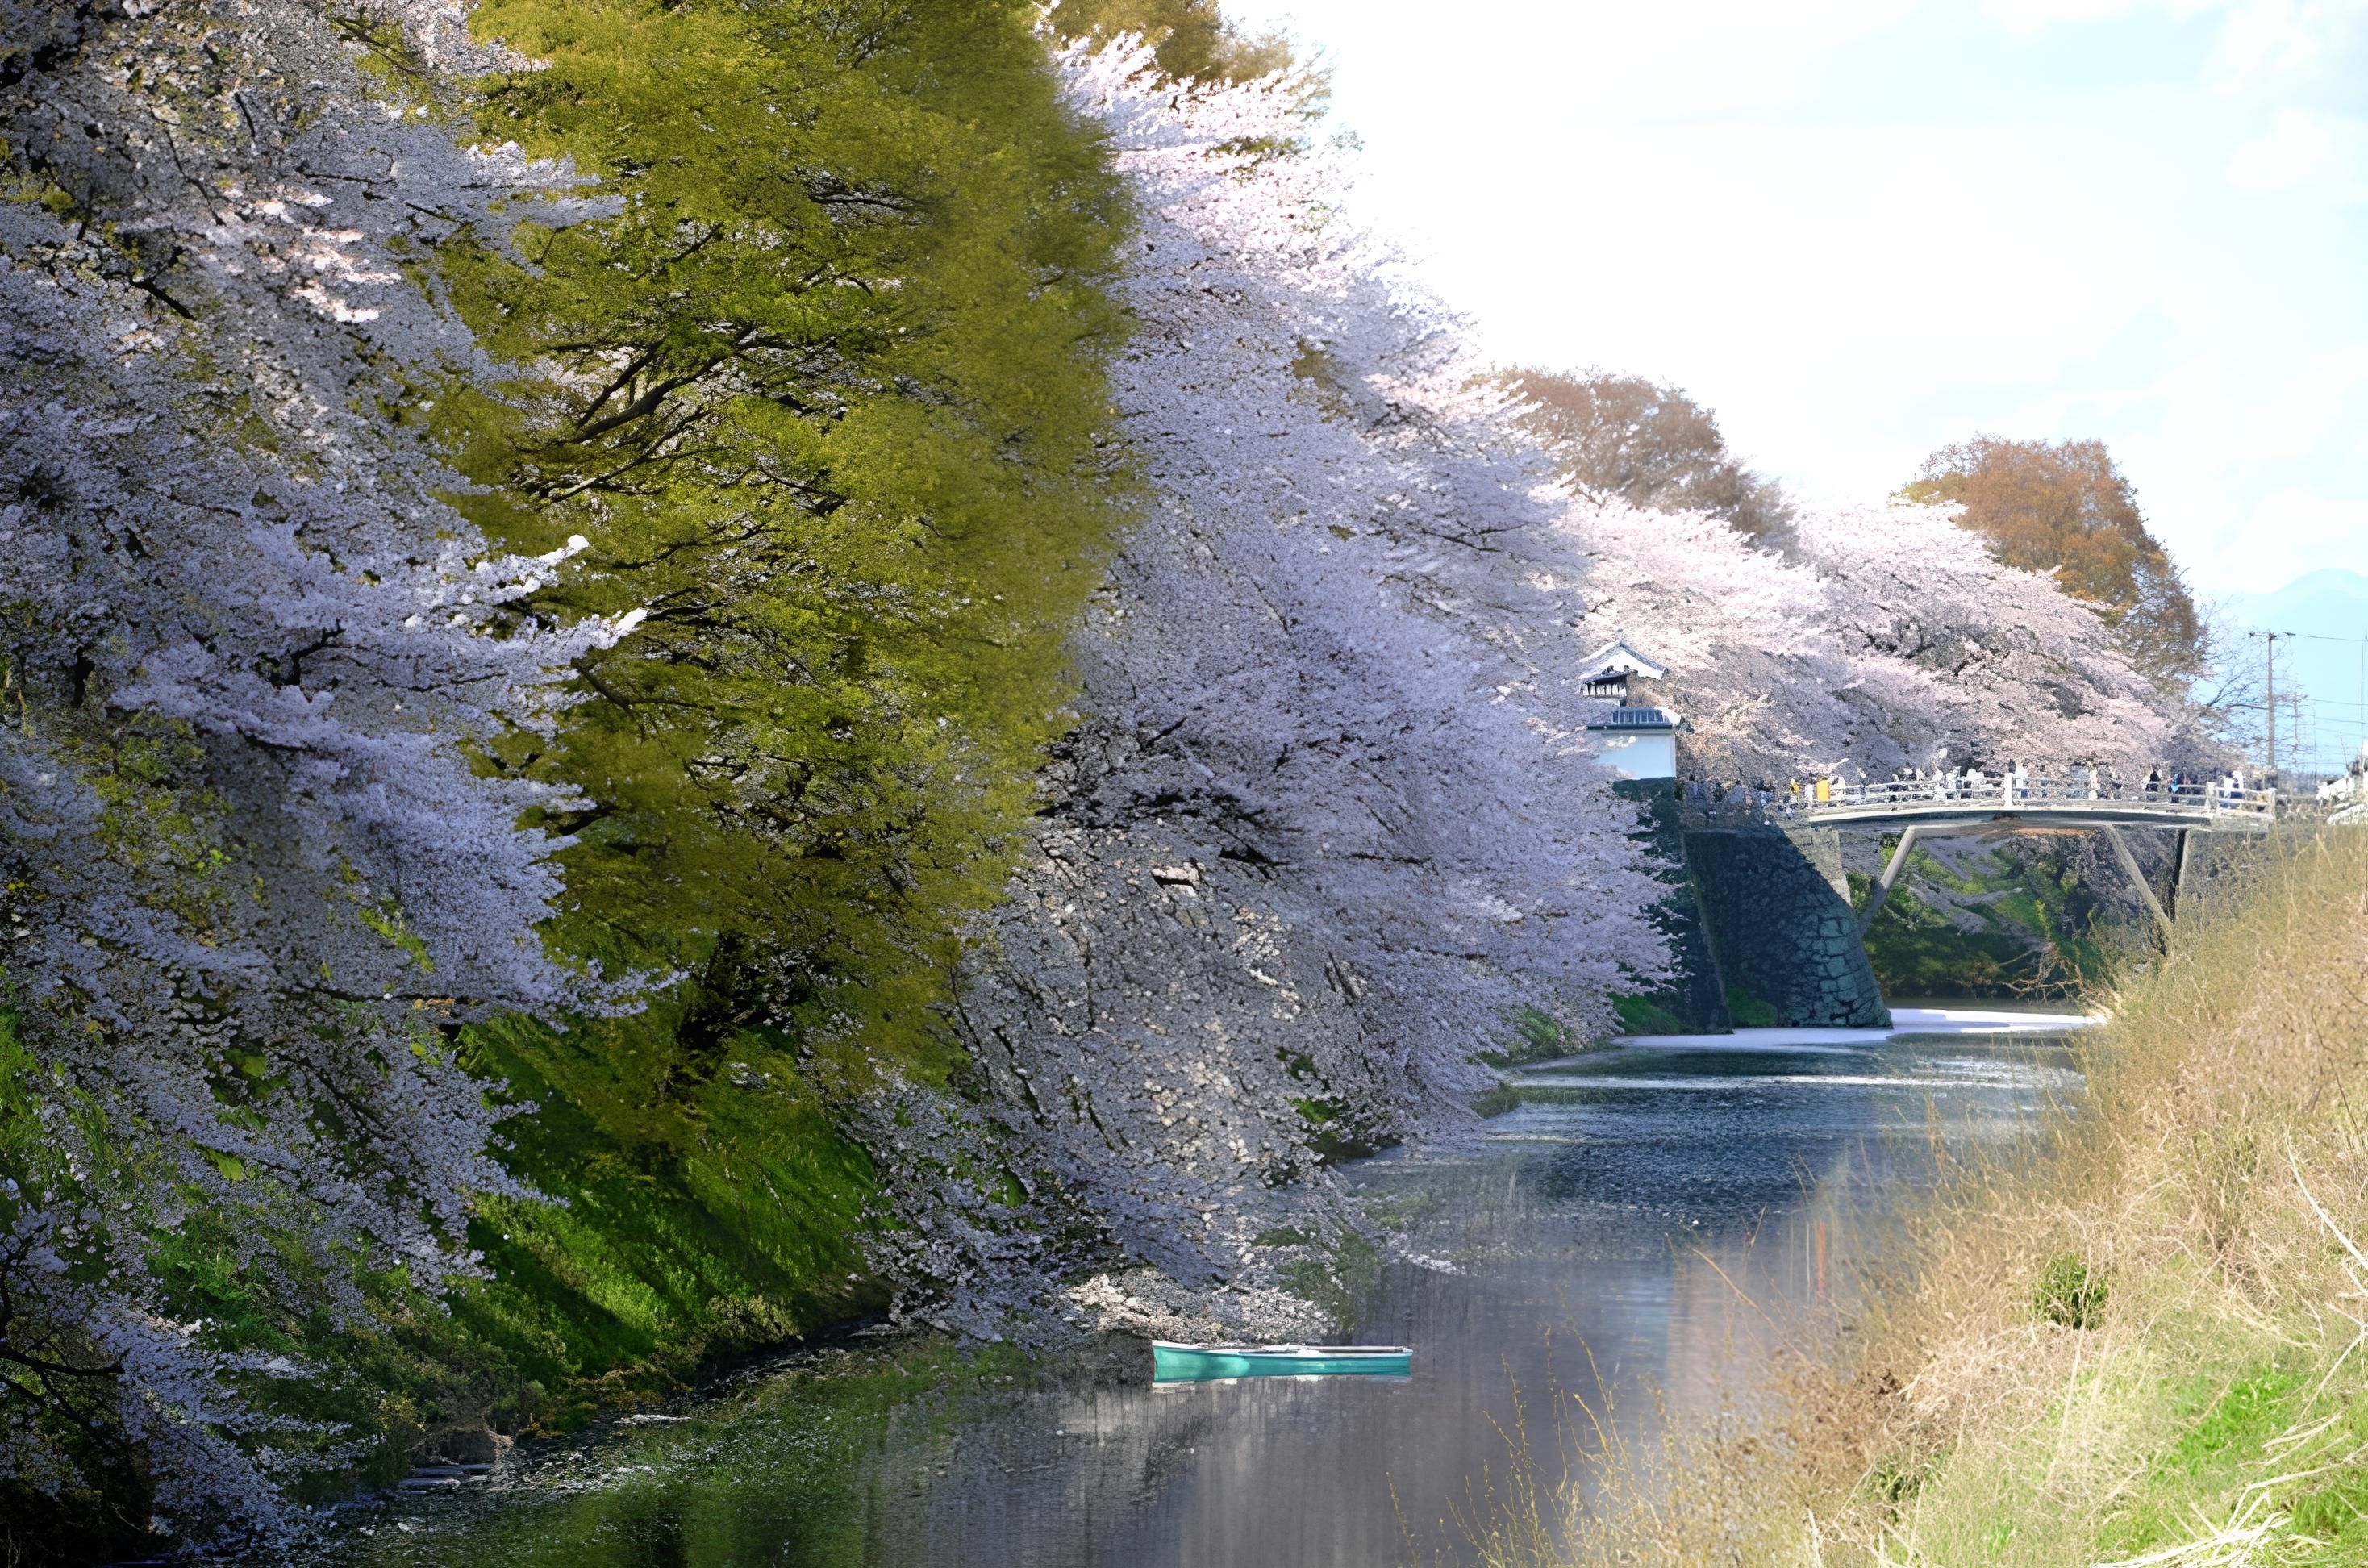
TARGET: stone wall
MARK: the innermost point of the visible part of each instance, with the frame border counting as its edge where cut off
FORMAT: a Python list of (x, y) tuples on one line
[(1780, 932), (1695, 997)]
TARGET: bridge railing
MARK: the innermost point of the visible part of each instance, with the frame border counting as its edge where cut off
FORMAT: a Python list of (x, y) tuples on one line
[(1976, 793)]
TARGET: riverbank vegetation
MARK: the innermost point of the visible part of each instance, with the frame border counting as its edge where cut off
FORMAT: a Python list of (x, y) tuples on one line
[(2145, 1345), (2021, 919)]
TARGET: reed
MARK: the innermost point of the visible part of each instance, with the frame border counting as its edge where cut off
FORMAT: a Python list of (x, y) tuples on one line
[(2139, 1337)]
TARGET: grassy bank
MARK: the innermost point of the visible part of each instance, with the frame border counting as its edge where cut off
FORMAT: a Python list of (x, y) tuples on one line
[(2144, 1343), (2033, 929)]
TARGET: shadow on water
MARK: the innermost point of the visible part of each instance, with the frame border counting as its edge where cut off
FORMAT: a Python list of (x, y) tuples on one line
[(1627, 1237)]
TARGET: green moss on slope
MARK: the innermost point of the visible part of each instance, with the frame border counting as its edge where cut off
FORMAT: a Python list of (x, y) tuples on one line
[(2035, 933)]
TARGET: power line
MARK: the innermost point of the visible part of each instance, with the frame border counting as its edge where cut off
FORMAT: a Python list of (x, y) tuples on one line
[(2300, 699)]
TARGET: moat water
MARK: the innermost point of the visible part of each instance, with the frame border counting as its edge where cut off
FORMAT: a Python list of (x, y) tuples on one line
[(1624, 1243)]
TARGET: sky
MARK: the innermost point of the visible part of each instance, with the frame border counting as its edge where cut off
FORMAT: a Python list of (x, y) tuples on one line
[(2321, 668), (1860, 230)]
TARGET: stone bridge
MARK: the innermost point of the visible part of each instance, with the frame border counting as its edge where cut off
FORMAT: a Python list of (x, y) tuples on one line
[(1767, 910), (1939, 805)]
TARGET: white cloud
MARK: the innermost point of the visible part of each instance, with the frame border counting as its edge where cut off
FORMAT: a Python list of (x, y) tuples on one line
[(2305, 528), (2279, 46), (2322, 406), (2027, 16), (2305, 150)]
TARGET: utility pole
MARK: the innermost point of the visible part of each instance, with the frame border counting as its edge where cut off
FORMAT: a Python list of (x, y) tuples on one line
[(2270, 664)]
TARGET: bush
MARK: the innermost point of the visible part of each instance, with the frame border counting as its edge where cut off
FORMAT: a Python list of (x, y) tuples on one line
[(1748, 1011), (2067, 1293)]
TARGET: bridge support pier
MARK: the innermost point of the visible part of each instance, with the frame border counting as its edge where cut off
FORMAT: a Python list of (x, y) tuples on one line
[(2146, 888), (2179, 872), (1890, 874), (1824, 852)]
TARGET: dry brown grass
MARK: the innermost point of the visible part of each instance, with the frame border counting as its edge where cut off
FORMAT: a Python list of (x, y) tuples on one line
[(2214, 1179)]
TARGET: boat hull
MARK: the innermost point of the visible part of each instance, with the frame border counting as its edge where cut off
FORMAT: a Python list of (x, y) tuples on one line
[(1219, 1363)]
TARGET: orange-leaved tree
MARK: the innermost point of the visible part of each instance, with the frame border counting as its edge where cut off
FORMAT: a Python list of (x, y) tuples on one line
[(2063, 508), (1647, 443)]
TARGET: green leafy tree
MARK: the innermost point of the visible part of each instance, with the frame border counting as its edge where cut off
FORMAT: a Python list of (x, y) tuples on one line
[(823, 396), (821, 392)]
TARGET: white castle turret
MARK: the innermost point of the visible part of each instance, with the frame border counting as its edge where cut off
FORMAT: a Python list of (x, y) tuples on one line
[(1637, 740)]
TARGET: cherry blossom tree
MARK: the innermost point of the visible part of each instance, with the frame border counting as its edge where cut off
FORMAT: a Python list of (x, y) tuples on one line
[(253, 876), (1324, 456), (1889, 638), (1330, 805), (1745, 633), (1972, 662)]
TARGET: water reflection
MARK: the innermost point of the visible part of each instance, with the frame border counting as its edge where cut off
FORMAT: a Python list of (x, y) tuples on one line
[(1640, 1223)]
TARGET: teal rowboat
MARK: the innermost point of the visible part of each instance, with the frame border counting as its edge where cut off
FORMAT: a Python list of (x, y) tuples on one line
[(1173, 1363)]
